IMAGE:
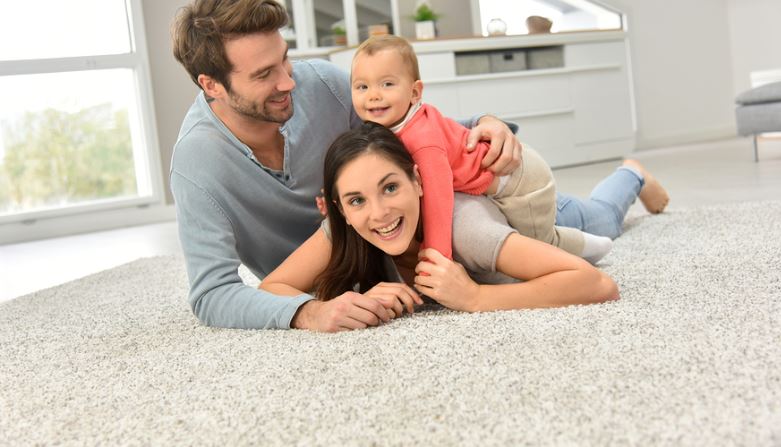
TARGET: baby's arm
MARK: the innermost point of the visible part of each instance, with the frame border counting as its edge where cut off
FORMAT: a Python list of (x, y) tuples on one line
[(437, 209)]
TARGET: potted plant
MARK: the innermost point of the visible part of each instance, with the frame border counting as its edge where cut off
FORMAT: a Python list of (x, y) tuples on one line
[(340, 35), (425, 22)]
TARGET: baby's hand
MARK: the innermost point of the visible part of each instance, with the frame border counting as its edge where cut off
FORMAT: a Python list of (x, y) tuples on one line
[(320, 201)]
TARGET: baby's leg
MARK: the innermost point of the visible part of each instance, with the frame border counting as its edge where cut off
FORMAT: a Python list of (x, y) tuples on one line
[(528, 201)]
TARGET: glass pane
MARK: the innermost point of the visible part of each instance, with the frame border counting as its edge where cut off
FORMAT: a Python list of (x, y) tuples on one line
[(56, 28), (374, 17), (69, 143), (561, 15), (329, 23), (289, 32)]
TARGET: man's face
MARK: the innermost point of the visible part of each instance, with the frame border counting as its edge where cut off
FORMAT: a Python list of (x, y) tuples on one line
[(261, 80)]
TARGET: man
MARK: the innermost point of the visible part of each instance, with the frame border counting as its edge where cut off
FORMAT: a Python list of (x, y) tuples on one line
[(247, 165)]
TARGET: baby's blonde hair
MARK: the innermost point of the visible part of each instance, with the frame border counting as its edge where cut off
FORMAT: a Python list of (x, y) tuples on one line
[(376, 44)]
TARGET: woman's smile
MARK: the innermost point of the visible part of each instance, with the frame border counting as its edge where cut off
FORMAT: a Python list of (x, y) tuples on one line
[(392, 230)]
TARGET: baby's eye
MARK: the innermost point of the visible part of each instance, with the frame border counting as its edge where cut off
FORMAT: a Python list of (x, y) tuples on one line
[(387, 84), (361, 87), (391, 187)]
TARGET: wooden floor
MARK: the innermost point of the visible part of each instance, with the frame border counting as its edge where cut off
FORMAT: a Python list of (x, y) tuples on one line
[(704, 173)]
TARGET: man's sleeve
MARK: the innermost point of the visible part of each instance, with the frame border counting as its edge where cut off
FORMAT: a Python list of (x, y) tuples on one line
[(217, 296), (472, 122), (338, 82)]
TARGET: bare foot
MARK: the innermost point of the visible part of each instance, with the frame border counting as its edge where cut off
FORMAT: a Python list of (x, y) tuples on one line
[(653, 196)]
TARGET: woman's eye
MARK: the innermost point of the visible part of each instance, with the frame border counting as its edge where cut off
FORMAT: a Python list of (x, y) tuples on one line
[(391, 187), (356, 201)]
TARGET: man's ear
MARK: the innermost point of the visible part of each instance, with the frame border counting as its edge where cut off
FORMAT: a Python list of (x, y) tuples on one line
[(211, 86), (417, 91), (418, 181)]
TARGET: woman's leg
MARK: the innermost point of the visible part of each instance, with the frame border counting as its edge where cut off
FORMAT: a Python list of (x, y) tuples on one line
[(604, 211)]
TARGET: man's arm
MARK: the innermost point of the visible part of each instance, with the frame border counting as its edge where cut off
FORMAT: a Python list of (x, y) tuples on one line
[(218, 296)]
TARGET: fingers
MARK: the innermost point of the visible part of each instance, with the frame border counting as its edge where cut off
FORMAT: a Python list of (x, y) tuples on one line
[(433, 255), (396, 295)]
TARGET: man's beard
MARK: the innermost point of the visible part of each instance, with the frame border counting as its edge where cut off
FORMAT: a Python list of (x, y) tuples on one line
[(260, 112)]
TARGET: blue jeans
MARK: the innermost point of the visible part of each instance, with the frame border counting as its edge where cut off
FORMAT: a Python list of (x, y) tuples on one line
[(604, 211)]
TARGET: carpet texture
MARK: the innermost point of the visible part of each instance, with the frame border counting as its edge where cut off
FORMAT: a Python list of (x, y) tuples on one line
[(691, 355)]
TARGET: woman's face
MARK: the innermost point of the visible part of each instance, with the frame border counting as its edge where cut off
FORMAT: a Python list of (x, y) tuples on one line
[(380, 202)]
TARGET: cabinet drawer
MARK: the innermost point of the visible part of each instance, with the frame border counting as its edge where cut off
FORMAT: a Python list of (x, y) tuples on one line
[(513, 95), (510, 60)]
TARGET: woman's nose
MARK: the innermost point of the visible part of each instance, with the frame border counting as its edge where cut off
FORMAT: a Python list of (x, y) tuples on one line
[(379, 210)]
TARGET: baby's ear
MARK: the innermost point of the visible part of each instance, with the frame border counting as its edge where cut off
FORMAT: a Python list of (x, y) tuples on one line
[(417, 91)]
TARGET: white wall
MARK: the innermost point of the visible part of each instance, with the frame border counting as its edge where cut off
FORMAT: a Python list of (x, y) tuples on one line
[(682, 70), (172, 89), (755, 38)]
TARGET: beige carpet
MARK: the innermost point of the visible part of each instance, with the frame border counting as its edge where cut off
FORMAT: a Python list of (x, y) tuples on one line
[(691, 355)]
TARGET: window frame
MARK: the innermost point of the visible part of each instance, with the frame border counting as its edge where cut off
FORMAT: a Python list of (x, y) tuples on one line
[(146, 151)]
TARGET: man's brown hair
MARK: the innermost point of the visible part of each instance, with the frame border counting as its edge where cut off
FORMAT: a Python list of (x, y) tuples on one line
[(201, 29), (376, 44)]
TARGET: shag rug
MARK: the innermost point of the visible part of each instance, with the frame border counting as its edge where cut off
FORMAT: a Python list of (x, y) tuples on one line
[(690, 355)]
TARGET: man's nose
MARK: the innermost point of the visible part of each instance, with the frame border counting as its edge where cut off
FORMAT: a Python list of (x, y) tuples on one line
[(286, 82)]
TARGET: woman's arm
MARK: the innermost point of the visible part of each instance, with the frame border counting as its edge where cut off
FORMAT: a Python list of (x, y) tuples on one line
[(297, 274), (552, 278), (350, 310)]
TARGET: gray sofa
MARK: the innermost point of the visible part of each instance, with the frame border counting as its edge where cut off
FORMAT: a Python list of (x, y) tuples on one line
[(759, 111)]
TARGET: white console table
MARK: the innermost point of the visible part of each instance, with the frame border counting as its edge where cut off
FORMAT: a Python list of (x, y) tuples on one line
[(576, 110)]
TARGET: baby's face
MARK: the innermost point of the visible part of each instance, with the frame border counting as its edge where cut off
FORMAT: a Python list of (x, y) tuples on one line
[(382, 87)]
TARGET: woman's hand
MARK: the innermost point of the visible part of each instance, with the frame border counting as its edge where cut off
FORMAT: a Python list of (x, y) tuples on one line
[(504, 156), (395, 297), (445, 281)]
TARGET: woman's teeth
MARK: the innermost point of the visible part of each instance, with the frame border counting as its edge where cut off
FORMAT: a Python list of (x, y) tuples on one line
[(386, 230)]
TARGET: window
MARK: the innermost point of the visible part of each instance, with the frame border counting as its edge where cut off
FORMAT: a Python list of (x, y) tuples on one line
[(76, 127), (566, 15)]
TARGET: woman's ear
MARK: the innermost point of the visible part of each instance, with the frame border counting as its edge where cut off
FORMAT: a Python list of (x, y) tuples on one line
[(417, 91), (418, 181)]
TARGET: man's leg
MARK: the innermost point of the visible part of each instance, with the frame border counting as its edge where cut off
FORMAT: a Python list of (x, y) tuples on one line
[(604, 211)]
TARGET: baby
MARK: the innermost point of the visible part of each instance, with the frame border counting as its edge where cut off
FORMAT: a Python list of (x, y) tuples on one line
[(386, 89)]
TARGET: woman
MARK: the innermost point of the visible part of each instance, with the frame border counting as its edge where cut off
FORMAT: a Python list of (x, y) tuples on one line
[(372, 193)]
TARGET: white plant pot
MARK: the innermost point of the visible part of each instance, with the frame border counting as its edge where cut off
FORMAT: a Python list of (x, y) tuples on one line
[(425, 30)]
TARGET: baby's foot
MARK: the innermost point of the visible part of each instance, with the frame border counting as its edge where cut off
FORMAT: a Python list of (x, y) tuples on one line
[(653, 196)]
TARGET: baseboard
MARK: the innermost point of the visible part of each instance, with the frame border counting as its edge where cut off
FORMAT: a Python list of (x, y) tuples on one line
[(696, 136), (84, 223)]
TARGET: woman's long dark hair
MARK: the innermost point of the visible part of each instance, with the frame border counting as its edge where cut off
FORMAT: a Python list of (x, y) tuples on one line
[(353, 259)]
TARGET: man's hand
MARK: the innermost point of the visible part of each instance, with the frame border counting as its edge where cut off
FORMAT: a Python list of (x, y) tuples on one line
[(348, 311), (504, 156), (320, 201)]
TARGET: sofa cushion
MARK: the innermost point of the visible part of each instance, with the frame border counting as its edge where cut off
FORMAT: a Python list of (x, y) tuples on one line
[(758, 95)]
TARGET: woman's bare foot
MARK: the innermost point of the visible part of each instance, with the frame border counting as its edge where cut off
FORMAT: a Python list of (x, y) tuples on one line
[(653, 196)]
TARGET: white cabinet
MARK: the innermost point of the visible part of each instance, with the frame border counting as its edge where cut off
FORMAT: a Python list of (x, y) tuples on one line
[(579, 111)]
